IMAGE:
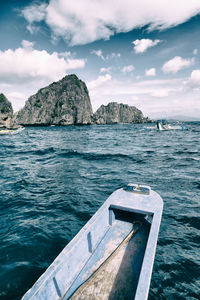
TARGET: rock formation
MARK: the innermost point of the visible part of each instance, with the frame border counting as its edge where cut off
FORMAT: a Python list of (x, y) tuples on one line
[(65, 102), (118, 113), (6, 110)]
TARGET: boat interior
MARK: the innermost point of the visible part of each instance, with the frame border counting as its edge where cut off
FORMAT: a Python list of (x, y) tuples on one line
[(113, 269)]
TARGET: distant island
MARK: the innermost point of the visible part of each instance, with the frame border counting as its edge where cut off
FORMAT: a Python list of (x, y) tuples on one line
[(67, 102)]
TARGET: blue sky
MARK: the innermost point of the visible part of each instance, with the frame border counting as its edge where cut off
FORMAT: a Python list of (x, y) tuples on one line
[(139, 52)]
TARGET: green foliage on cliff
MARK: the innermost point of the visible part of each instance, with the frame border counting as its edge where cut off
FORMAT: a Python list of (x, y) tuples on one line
[(85, 89), (5, 105), (38, 103), (3, 98), (76, 80), (4, 110)]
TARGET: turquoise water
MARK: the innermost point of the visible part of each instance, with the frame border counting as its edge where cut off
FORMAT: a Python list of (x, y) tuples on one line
[(53, 179)]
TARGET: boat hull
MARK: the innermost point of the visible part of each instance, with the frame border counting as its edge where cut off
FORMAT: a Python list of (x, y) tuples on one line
[(111, 256), (164, 125)]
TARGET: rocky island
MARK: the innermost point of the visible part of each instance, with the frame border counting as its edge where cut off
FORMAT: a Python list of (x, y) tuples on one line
[(115, 113), (67, 102), (6, 110)]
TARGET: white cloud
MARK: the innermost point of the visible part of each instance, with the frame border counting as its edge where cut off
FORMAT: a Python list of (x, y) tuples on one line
[(160, 93), (27, 65), (82, 22), (105, 70), (72, 64), (99, 53), (27, 45), (34, 13), (113, 55), (128, 69), (195, 51), (4, 85), (150, 72), (177, 63), (16, 95), (99, 81), (142, 45), (65, 54), (195, 77)]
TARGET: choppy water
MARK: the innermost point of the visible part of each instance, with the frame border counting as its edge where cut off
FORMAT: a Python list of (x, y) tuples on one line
[(53, 179)]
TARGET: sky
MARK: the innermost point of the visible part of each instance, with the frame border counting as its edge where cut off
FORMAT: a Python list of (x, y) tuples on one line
[(144, 53)]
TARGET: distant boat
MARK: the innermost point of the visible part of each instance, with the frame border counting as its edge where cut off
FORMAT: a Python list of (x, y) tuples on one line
[(164, 125), (10, 131), (112, 256)]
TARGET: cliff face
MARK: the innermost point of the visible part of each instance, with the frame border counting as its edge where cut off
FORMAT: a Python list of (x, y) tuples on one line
[(6, 111), (65, 102), (118, 113)]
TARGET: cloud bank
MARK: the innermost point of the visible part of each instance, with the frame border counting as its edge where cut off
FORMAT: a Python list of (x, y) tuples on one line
[(81, 22), (156, 98), (26, 64)]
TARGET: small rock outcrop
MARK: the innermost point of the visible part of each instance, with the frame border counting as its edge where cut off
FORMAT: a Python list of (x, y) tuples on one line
[(6, 110), (114, 113), (65, 102)]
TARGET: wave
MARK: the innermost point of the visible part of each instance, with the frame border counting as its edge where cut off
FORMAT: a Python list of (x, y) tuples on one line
[(36, 152), (192, 221), (100, 156)]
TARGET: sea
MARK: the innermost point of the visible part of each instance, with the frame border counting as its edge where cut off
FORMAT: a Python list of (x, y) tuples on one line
[(53, 179)]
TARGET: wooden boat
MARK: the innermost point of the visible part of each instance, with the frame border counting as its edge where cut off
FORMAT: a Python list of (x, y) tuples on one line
[(112, 256)]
